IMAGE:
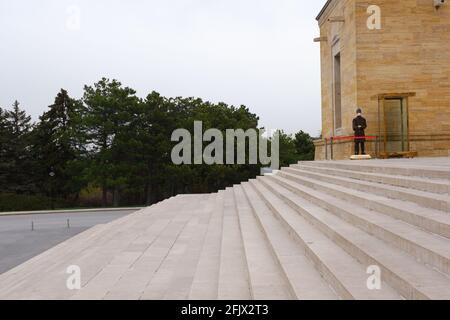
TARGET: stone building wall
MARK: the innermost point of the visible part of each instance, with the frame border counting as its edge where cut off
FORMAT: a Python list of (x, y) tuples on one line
[(411, 53), (346, 34)]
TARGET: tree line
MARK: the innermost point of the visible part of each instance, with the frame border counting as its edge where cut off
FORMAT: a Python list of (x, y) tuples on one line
[(112, 148)]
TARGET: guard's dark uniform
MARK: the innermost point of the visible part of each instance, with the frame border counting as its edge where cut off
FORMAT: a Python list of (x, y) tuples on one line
[(359, 125)]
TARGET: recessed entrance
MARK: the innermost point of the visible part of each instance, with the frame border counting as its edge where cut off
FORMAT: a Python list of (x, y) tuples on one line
[(393, 125), (396, 125)]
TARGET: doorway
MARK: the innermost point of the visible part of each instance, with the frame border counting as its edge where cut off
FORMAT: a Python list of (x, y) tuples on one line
[(396, 129)]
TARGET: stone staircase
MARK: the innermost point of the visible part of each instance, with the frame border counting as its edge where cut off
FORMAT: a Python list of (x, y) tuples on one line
[(310, 231)]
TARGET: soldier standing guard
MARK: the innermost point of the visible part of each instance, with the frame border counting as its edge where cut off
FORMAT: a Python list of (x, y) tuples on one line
[(359, 125)]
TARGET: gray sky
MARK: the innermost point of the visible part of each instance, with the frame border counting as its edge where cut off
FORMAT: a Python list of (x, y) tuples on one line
[(254, 52)]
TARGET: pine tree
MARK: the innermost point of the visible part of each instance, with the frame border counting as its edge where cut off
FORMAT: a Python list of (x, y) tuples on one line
[(305, 146), (109, 111), (17, 157), (5, 136), (19, 121), (154, 127), (57, 146)]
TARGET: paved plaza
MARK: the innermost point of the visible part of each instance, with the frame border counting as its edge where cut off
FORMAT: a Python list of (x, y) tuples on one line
[(18, 242)]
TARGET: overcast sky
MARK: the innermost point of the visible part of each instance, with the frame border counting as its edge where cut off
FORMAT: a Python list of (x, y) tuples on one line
[(258, 53)]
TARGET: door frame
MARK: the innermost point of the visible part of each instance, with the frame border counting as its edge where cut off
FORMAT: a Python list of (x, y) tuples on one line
[(381, 113)]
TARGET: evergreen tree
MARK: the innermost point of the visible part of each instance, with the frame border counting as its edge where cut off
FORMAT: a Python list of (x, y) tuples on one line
[(5, 136), (113, 140), (58, 145), (293, 149), (18, 164), (304, 146), (288, 152), (152, 130), (109, 110), (19, 121)]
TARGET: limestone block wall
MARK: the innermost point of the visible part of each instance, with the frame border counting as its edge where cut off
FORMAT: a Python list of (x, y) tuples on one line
[(345, 34), (411, 53)]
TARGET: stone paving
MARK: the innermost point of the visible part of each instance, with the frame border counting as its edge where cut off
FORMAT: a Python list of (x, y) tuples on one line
[(367, 230), (18, 243)]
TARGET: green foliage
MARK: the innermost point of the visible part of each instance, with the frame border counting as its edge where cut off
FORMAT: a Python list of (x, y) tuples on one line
[(29, 202), (295, 148), (109, 111), (16, 169), (304, 146), (56, 146), (114, 147), (5, 134)]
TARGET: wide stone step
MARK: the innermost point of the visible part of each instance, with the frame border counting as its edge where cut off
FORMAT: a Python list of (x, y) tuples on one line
[(45, 259), (266, 277), (49, 276), (234, 282), (54, 260), (116, 271), (311, 231), (422, 198), (205, 285), (173, 278), (181, 284), (423, 246), (114, 251), (419, 168), (401, 271), (345, 274), (129, 272), (431, 220), (305, 280), (438, 186), (13, 276)]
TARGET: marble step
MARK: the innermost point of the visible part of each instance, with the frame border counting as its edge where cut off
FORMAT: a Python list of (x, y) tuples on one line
[(425, 199), (418, 168), (417, 281), (438, 186), (430, 220), (345, 274), (265, 276), (234, 282)]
